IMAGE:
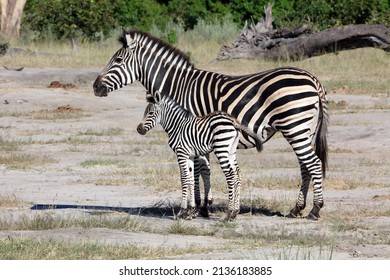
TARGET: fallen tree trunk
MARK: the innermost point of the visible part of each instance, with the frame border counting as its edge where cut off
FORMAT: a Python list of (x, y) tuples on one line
[(262, 41)]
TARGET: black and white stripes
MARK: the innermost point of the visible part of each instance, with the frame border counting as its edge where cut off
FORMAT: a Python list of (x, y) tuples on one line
[(191, 136), (287, 100)]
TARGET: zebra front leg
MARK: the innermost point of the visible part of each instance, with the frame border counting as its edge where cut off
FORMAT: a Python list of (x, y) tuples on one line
[(197, 173), (186, 165), (204, 171)]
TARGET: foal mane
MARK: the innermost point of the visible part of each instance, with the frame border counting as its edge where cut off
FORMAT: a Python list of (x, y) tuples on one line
[(170, 102)]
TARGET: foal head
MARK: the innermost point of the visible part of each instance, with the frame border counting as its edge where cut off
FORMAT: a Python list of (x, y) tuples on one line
[(152, 115)]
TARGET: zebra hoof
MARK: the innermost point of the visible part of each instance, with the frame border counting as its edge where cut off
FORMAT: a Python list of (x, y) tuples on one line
[(314, 213), (231, 215), (204, 212), (295, 212), (291, 215), (181, 215), (192, 213), (313, 217)]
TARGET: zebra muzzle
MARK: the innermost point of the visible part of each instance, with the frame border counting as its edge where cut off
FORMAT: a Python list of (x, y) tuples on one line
[(141, 129), (98, 88)]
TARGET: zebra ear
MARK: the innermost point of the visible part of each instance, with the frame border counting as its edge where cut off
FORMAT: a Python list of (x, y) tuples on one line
[(150, 98), (129, 40), (157, 96)]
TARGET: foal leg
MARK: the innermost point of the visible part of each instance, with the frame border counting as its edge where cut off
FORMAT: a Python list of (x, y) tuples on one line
[(197, 173), (186, 165), (227, 160), (204, 171)]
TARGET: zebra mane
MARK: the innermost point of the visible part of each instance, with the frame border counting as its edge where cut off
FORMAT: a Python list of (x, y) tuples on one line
[(150, 99), (171, 103), (161, 44)]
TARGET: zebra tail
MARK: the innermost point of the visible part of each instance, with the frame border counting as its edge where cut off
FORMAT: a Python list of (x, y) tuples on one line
[(321, 144)]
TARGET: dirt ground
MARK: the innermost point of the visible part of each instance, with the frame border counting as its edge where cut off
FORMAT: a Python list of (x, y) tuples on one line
[(59, 124)]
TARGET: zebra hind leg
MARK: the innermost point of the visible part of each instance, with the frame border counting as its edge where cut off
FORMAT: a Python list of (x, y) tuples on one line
[(296, 211), (315, 170), (233, 178), (311, 169)]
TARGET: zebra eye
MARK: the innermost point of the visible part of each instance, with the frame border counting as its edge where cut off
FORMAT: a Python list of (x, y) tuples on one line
[(118, 60)]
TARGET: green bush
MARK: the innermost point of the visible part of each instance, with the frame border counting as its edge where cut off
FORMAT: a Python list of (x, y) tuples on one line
[(57, 19), (95, 19), (3, 48)]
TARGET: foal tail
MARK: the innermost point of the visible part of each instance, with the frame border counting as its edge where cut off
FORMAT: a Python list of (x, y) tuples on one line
[(249, 133), (246, 132)]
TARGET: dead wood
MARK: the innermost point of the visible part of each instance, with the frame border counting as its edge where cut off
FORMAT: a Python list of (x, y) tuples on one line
[(261, 40)]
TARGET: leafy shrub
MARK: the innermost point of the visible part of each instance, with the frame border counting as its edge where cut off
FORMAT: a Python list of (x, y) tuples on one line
[(3, 48), (94, 19)]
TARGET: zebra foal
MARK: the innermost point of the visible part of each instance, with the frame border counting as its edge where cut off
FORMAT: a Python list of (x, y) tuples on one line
[(190, 137)]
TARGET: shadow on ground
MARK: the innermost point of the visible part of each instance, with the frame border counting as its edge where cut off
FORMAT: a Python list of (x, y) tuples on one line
[(154, 211)]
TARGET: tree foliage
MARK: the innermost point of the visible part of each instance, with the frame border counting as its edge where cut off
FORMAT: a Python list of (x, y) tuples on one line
[(93, 19)]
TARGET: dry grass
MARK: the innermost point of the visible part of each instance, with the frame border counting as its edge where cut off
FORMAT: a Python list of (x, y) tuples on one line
[(11, 202), (52, 54), (359, 71), (24, 161), (33, 249)]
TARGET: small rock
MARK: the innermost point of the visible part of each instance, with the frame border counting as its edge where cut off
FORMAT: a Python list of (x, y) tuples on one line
[(356, 254), (21, 101)]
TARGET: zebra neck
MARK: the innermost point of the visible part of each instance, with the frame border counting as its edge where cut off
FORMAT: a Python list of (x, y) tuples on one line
[(174, 117), (166, 63)]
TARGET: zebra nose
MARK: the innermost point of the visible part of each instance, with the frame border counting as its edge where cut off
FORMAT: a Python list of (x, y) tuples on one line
[(95, 86), (141, 130), (98, 88), (97, 83)]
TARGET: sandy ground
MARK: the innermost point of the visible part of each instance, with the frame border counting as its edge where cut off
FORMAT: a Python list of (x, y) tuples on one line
[(355, 221)]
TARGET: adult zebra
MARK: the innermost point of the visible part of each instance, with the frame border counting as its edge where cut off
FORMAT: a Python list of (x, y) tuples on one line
[(289, 100), (189, 137)]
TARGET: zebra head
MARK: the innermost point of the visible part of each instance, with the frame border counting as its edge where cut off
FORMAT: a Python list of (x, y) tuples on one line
[(152, 115), (120, 70)]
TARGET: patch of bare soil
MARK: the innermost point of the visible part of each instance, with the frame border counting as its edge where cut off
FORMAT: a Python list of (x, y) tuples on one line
[(101, 167), (58, 84)]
